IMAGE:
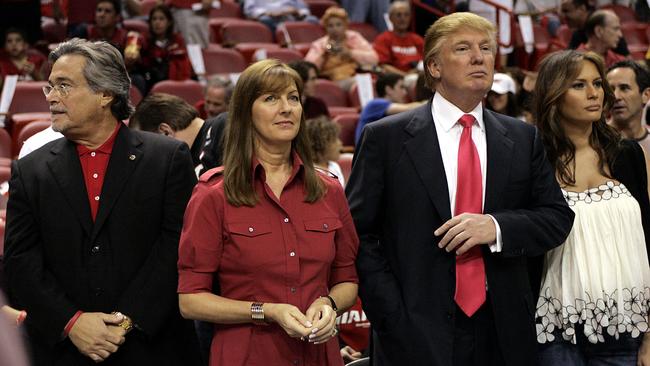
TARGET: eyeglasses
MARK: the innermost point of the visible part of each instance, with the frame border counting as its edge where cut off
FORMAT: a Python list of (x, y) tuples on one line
[(62, 89)]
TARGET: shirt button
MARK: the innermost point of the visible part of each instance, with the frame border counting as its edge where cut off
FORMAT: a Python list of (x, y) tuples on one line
[(96, 198), (325, 226), (450, 315), (292, 254), (95, 175), (293, 290), (95, 249), (286, 219), (92, 154), (250, 229), (295, 362), (98, 291)]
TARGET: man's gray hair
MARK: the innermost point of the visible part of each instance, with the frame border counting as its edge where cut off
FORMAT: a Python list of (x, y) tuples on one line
[(105, 71), (216, 81)]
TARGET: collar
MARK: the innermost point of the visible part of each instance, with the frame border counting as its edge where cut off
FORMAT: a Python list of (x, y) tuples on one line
[(296, 165), (447, 114), (107, 146)]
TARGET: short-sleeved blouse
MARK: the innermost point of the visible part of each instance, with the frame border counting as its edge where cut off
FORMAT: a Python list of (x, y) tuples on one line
[(279, 251)]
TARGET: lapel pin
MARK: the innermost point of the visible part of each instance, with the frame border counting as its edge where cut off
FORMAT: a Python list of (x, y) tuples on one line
[(131, 157)]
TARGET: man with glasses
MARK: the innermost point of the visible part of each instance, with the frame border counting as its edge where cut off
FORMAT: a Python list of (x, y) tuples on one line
[(98, 283)]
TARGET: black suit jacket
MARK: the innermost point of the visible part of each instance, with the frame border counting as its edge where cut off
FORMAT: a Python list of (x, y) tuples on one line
[(58, 261), (398, 196)]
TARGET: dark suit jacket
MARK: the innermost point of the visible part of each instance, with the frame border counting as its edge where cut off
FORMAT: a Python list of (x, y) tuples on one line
[(58, 261), (398, 196)]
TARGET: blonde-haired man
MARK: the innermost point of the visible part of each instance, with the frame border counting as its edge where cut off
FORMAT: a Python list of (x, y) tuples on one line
[(449, 199)]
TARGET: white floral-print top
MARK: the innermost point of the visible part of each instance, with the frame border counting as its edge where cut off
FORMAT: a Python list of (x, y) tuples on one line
[(599, 279)]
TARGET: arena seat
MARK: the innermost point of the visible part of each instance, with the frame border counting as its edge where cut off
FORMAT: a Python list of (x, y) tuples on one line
[(223, 61), (348, 124), (331, 93), (189, 90)]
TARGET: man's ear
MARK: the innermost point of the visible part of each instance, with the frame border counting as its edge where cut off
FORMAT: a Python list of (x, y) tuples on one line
[(165, 129), (433, 66), (598, 31), (106, 100), (645, 95)]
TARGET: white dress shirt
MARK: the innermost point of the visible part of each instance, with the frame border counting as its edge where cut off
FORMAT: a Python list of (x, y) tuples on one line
[(445, 119)]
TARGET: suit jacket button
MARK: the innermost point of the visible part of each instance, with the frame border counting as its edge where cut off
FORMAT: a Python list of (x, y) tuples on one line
[(95, 249), (98, 291), (450, 315)]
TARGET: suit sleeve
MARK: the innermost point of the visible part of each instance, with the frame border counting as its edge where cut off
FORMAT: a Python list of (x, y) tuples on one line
[(151, 296), (547, 220), (32, 287), (378, 287)]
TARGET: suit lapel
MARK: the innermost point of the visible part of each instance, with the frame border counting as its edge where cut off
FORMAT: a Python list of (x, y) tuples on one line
[(499, 155), (124, 158), (66, 169), (424, 149)]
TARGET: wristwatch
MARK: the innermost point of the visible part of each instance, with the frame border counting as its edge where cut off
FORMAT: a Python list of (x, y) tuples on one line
[(332, 303)]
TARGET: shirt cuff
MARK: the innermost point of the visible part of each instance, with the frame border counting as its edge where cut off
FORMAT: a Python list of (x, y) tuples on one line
[(193, 282), (498, 245)]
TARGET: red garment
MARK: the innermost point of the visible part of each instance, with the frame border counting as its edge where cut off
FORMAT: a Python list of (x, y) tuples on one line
[(354, 327), (470, 269), (7, 67), (399, 51), (174, 52), (182, 4), (118, 39), (93, 165), (200, 107), (81, 11), (279, 251), (610, 58)]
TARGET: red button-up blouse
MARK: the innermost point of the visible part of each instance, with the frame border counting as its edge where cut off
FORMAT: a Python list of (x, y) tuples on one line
[(279, 251)]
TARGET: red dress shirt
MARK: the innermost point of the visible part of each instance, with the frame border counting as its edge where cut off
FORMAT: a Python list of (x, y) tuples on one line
[(93, 165), (279, 251)]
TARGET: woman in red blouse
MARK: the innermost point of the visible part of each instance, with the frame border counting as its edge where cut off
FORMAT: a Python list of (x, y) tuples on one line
[(163, 53), (274, 235)]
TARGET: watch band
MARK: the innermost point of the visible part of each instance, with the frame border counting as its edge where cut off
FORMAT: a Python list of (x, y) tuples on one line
[(257, 313)]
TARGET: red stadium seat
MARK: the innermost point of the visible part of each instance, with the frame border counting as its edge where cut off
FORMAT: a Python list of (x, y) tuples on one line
[(29, 98), (28, 131), (345, 161), (245, 31), (348, 124), (5, 144), (368, 31), (318, 7), (353, 95), (331, 93), (636, 38), (228, 9), (189, 90), (135, 96), (285, 55), (223, 61), (564, 34), (625, 13), (147, 5), (215, 25), (337, 111), (136, 25), (53, 32), (300, 35)]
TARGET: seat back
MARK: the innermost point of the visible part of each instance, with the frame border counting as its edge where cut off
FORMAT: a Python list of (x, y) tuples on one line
[(5, 144), (29, 98), (318, 7), (285, 55), (223, 61), (300, 32), (624, 13), (245, 31), (228, 9), (345, 162), (28, 131), (348, 124), (368, 31), (189, 90), (331, 93), (136, 25)]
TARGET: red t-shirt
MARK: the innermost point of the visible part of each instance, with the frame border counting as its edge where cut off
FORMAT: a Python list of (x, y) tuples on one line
[(94, 164), (399, 51), (7, 67), (354, 327), (81, 11), (279, 251), (118, 39)]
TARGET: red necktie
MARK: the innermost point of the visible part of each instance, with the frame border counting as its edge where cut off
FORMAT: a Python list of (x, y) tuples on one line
[(470, 269)]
